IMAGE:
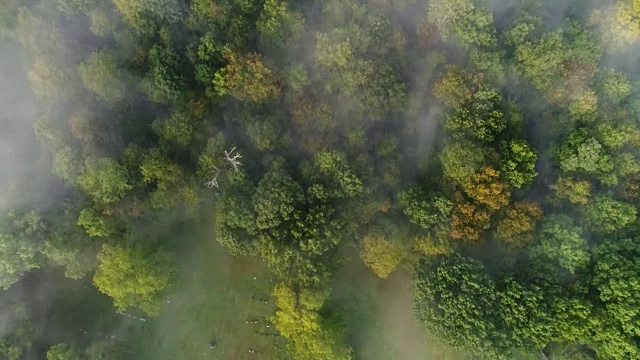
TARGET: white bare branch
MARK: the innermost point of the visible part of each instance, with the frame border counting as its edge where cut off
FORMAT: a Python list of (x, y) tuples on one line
[(233, 157), (214, 181)]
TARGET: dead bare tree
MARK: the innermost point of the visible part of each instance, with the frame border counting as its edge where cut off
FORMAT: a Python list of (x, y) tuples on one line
[(233, 156), (214, 181)]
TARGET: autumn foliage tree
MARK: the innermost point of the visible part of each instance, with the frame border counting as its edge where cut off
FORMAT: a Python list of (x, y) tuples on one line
[(469, 221), (486, 188), (518, 224), (246, 78)]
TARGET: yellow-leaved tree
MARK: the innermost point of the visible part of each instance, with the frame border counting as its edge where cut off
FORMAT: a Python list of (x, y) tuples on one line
[(298, 320), (134, 276), (380, 253)]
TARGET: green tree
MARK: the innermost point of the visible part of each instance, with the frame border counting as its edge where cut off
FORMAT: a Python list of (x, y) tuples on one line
[(179, 128), (17, 258), (102, 75), (334, 167), (587, 156), (266, 134), (235, 214), (381, 253), (525, 311), (614, 85), (75, 255), (576, 191), (605, 215), (21, 239), (455, 300), (62, 351), (481, 119), (423, 209), (208, 59), (16, 336), (617, 280), (621, 24), (561, 243), (471, 26), (134, 276), (50, 82), (66, 164), (458, 86), (279, 27), (95, 224), (8, 16), (524, 25), (142, 14), (164, 82), (299, 321), (159, 170), (461, 160), (474, 107), (518, 163), (561, 64), (373, 86), (276, 197), (614, 136), (104, 180), (103, 21)]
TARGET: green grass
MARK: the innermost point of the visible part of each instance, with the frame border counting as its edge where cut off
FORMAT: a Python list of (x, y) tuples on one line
[(379, 315), (215, 295)]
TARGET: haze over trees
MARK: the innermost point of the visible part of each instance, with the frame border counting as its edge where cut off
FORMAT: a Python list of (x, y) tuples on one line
[(490, 148)]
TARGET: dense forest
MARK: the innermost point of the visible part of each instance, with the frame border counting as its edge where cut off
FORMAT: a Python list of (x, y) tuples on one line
[(488, 148)]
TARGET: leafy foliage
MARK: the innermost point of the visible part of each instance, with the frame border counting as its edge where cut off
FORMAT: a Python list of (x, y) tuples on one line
[(104, 180), (102, 75), (605, 215), (561, 242), (424, 210), (20, 242), (380, 253), (616, 279), (461, 160), (134, 276), (471, 25), (455, 300), (246, 78), (61, 351), (518, 164), (485, 188), (276, 197), (298, 320), (498, 143), (518, 224)]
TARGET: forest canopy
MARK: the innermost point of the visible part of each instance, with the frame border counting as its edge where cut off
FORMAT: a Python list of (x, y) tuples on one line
[(489, 148)]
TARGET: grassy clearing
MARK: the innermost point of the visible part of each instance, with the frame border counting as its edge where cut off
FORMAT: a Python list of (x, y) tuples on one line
[(215, 296), (379, 315)]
